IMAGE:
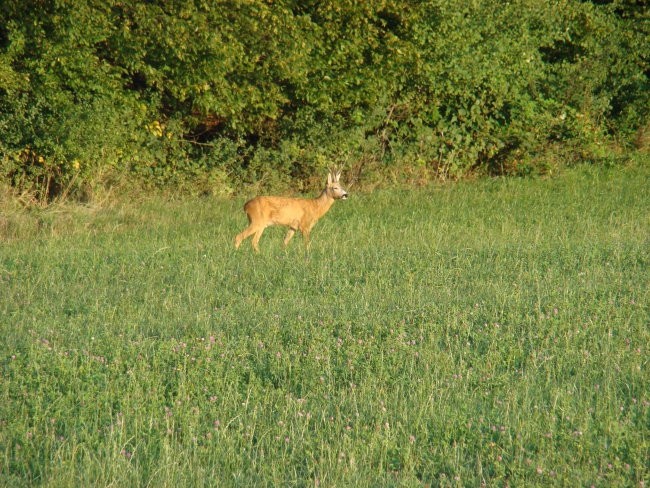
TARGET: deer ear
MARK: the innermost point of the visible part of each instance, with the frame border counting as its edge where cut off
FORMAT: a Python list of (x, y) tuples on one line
[(329, 178)]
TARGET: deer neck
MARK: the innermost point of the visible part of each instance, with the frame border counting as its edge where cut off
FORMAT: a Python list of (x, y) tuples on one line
[(322, 203)]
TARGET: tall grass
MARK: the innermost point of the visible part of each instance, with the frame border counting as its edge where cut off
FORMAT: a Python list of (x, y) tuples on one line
[(483, 332)]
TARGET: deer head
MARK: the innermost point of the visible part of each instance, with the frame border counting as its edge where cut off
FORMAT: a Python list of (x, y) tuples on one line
[(334, 189)]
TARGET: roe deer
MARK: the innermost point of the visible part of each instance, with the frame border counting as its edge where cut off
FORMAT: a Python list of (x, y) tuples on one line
[(296, 213)]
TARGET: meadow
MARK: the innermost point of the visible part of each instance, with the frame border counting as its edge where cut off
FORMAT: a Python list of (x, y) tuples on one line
[(491, 332)]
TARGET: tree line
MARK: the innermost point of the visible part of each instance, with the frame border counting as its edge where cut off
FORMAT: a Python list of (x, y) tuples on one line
[(214, 95)]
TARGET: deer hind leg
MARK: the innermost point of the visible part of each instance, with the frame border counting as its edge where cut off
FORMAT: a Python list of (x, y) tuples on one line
[(249, 231), (245, 234), (256, 238)]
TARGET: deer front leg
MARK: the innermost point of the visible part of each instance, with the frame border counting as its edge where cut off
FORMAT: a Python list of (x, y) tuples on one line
[(305, 235), (289, 235)]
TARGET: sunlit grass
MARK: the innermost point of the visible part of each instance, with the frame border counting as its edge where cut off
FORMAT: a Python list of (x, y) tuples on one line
[(491, 331)]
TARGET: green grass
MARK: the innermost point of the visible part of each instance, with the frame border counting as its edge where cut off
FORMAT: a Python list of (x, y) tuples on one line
[(482, 332)]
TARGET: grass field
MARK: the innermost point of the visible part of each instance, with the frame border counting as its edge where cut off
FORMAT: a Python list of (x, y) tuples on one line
[(491, 332)]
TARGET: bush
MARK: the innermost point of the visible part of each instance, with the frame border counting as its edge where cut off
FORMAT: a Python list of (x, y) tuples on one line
[(209, 97)]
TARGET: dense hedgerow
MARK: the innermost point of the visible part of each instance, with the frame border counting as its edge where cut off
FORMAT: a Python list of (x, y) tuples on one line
[(212, 95)]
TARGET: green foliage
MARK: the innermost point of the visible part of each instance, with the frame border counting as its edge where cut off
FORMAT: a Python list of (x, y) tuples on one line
[(154, 91), (487, 332)]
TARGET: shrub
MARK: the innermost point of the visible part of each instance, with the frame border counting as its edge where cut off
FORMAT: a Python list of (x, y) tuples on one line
[(212, 96)]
